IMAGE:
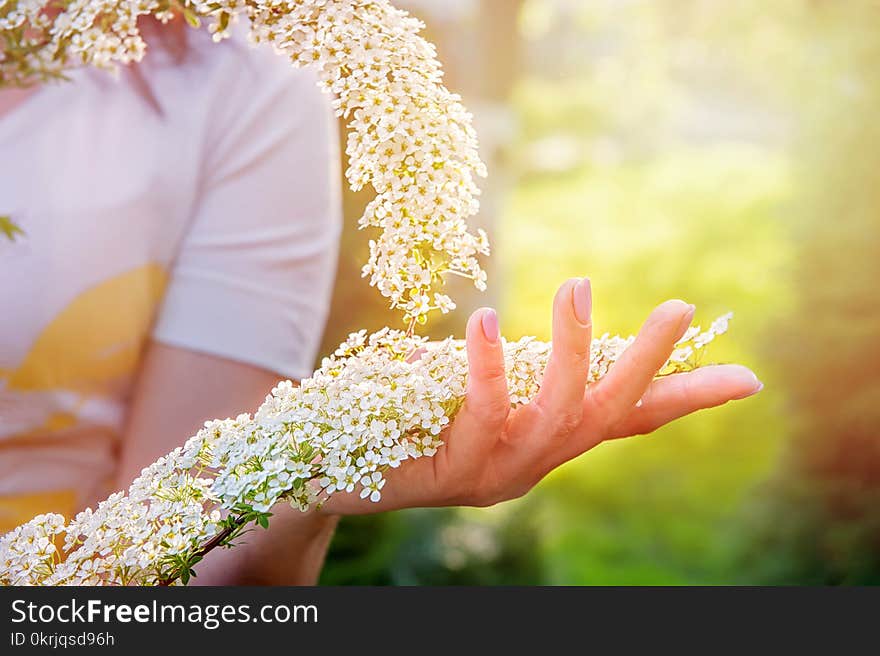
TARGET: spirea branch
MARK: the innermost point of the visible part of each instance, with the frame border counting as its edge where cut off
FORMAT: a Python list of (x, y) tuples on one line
[(366, 410)]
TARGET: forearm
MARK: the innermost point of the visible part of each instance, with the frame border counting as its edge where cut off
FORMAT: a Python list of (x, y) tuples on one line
[(292, 552)]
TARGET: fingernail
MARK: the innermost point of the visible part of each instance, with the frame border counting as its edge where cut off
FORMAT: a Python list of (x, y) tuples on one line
[(582, 299), (490, 326), (687, 318), (752, 393)]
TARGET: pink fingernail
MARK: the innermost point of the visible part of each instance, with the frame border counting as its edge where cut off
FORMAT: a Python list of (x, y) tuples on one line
[(582, 299), (752, 393), (687, 318), (490, 326)]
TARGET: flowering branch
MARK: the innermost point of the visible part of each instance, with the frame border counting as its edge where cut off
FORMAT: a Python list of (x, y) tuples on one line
[(368, 409)]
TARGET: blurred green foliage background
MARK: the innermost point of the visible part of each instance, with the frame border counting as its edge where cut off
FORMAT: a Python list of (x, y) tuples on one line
[(727, 153)]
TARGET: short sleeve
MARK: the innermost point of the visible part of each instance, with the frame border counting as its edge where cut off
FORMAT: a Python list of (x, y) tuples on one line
[(254, 272)]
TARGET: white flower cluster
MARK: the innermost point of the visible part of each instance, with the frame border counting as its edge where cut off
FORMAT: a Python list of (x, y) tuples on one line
[(410, 137), (28, 554), (369, 408), (689, 350)]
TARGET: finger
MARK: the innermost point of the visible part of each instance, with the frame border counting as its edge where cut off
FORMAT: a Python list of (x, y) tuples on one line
[(678, 395), (487, 403), (622, 387), (416, 355), (562, 390)]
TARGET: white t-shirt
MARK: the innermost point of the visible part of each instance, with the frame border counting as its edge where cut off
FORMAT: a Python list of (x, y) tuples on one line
[(210, 225)]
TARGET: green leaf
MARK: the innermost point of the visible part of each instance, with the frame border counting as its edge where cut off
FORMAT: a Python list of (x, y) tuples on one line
[(9, 228)]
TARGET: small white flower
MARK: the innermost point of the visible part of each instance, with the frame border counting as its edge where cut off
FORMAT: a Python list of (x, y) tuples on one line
[(720, 325), (373, 485)]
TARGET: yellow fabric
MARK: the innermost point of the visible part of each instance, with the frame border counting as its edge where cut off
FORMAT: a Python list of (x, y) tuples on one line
[(18, 509), (97, 338)]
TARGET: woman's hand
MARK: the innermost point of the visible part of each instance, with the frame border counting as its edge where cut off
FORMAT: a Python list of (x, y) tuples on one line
[(493, 453)]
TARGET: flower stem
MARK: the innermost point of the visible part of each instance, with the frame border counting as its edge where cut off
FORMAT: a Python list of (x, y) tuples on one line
[(210, 545)]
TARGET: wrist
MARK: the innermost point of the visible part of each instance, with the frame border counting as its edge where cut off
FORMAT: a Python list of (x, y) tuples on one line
[(316, 521)]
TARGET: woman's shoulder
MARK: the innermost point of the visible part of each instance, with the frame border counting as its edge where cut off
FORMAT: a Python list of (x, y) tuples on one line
[(205, 82), (232, 68)]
